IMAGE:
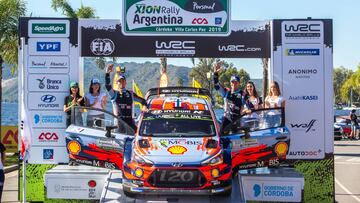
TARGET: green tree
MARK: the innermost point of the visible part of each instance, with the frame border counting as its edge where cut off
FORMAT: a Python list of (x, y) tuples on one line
[(351, 87), (200, 70), (341, 75), (10, 11), (70, 12), (180, 82)]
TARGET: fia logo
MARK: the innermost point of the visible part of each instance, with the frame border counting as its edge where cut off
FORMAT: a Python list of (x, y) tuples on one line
[(41, 83), (102, 46)]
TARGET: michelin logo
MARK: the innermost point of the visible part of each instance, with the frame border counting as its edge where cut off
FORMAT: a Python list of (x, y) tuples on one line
[(302, 52)]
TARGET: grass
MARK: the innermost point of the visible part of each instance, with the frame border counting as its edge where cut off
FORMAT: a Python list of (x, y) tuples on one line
[(11, 159)]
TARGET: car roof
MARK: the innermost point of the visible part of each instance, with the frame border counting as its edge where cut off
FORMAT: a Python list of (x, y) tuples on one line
[(181, 102)]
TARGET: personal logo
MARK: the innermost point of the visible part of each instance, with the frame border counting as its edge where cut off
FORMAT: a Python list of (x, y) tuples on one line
[(48, 28), (102, 47), (48, 46), (47, 136), (257, 190), (304, 126), (302, 52), (48, 98), (177, 150), (48, 154), (41, 83)]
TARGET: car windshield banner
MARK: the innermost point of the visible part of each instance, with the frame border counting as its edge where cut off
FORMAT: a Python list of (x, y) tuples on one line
[(174, 17)]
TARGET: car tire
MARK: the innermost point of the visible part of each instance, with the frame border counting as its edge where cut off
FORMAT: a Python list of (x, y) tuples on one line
[(130, 194), (226, 193)]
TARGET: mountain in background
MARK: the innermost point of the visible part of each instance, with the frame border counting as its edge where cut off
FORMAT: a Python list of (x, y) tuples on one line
[(146, 75)]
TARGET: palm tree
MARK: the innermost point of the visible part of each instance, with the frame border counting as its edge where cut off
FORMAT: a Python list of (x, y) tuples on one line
[(68, 11), (265, 64), (10, 11)]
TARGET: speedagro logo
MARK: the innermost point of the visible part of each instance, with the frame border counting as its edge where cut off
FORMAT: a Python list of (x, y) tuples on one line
[(48, 28)]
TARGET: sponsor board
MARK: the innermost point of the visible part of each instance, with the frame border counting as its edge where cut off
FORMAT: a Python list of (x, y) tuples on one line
[(266, 188), (54, 119), (49, 46), (302, 32), (9, 138), (49, 28), (81, 186), (46, 64), (48, 137), (167, 17), (48, 155), (46, 101), (48, 82)]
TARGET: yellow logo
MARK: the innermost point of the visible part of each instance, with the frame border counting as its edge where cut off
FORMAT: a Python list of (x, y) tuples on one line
[(74, 147), (281, 148), (177, 149)]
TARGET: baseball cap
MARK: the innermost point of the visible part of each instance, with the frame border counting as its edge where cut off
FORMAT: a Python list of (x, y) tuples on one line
[(74, 84), (235, 78), (121, 77), (95, 81)]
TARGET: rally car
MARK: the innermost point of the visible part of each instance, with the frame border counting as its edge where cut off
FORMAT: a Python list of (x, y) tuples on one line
[(178, 147)]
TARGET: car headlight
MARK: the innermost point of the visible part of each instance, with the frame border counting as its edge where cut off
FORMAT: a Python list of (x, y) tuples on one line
[(141, 160), (336, 126), (214, 160)]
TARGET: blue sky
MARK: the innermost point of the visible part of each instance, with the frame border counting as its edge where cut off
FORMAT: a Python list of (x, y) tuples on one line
[(345, 15)]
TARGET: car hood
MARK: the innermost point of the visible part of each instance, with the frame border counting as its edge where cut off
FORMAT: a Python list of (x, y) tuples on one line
[(165, 150)]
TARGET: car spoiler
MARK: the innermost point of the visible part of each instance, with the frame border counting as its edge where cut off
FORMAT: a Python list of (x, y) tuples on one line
[(179, 91)]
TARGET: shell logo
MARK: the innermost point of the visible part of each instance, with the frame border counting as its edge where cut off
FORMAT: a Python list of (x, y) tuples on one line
[(177, 149), (281, 148), (74, 147)]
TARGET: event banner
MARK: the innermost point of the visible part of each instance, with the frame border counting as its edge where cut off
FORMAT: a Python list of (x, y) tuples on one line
[(49, 58), (248, 39), (302, 60), (173, 17)]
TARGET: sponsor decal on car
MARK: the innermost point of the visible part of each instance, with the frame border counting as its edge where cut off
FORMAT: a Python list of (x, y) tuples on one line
[(74, 147), (177, 150), (281, 148)]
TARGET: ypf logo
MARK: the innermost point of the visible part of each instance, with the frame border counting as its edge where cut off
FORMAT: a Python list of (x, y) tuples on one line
[(48, 98), (47, 136), (102, 47), (257, 190)]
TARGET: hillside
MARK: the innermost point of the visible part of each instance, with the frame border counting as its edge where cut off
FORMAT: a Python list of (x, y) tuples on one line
[(146, 75)]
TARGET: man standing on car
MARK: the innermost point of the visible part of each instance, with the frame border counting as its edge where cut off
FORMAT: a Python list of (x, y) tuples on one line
[(234, 99), (122, 99)]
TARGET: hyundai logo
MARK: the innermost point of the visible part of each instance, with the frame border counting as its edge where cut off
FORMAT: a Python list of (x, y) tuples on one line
[(48, 98), (177, 164)]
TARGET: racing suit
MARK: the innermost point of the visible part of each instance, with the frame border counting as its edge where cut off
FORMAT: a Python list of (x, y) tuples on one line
[(233, 103), (122, 102)]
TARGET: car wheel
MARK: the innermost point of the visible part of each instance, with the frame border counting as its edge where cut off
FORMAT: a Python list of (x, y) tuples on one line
[(130, 194), (226, 193)]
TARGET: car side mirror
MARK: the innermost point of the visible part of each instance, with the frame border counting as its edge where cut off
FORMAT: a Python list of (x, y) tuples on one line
[(108, 130)]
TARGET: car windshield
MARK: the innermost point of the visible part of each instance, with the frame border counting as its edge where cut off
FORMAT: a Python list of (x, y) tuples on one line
[(177, 127)]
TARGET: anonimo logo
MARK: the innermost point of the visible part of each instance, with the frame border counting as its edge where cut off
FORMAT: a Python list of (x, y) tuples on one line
[(102, 47)]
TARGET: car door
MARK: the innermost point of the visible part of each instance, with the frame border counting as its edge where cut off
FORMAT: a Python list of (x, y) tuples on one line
[(256, 140), (97, 138)]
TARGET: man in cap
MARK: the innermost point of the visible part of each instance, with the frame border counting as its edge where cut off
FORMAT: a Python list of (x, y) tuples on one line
[(234, 99), (122, 99)]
